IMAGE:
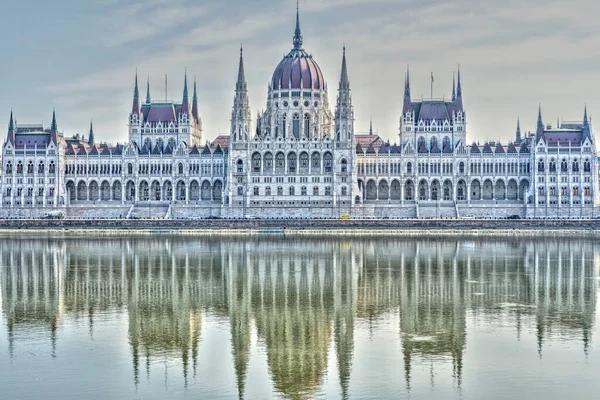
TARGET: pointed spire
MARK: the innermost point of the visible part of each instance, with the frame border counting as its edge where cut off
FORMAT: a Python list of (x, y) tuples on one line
[(459, 87), (241, 81), (453, 87), (91, 136), (53, 127), (407, 83), (518, 135), (297, 33), (407, 107), (11, 123), (344, 81), (185, 87), (135, 108), (148, 100), (586, 122), (539, 133), (185, 105), (371, 126), (195, 102), (11, 128)]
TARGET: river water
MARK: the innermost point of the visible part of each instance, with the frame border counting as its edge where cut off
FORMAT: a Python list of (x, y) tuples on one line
[(270, 317)]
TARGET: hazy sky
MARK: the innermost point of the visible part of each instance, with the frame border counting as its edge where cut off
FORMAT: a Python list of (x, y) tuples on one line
[(80, 57)]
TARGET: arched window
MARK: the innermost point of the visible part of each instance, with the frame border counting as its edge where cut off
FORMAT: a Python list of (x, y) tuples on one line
[(344, 191), (541, 165), (552, 165), (9, 167), (269, 162), (148, 143), (564, 166), (256, 158), (279, 191), (315, 190), (461, 168), (30, 167), (280, 161), (172, 142), (575, 165), (303, 190), (586, 166), (268, 191), (255, 190), (307, 126), (446, 141), (292, 162), (433, 142), (41, 167), (130, 169), (160, 143), (179, 169), (19, 167), (284, 125), (304, 160), (420, 143), (296, 126), (344, 167), (240, 166), (327, 162), (316, 160), (292, 191), (409, 168)]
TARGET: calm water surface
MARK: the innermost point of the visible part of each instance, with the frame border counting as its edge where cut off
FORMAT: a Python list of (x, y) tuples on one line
[(258, 318)]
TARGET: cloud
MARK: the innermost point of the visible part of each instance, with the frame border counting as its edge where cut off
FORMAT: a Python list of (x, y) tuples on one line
[(513, 54)]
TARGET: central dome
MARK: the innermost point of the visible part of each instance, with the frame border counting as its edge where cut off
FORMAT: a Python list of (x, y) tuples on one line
[(298, 70)]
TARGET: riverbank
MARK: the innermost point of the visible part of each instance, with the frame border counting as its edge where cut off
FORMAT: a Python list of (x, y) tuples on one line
[(329, 227)]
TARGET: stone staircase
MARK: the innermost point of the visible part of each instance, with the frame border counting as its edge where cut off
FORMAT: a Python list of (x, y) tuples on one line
[(441, 210), (153, 211)]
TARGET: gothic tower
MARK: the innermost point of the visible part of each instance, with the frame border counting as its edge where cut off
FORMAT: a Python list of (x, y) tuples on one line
[(240, 114), (344, 113)]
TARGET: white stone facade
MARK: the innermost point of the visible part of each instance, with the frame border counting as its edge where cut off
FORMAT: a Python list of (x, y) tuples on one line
[(299, 160)]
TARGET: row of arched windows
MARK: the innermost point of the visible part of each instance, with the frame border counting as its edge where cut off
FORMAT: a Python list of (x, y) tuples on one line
[(41, 168), (564, 166), (266, 162)]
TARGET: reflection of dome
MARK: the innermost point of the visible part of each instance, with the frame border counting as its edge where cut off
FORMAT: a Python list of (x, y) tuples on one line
[(298, 70)]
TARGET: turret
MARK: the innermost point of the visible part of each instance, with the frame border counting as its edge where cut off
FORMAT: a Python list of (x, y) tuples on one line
[(518, 134)]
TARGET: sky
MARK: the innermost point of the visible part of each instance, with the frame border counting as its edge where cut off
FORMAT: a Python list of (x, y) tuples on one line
[(80, 58)]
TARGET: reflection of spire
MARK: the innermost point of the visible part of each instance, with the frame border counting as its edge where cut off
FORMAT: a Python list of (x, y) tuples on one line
[(239, 321)]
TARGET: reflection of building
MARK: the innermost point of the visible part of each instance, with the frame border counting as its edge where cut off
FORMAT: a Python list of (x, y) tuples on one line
[(296, 298)]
